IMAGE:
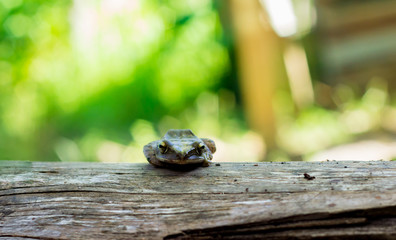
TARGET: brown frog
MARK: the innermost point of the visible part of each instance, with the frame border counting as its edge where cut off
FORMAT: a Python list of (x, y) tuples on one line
[(180, 147)]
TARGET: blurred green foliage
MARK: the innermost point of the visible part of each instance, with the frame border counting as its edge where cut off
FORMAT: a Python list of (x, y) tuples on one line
[(78, 78), (96, 80)]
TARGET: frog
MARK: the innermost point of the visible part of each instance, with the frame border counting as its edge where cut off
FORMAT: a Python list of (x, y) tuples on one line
[(178, 148)]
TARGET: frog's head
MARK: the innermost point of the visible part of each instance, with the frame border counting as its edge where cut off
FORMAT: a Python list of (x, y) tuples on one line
[(183, 151)]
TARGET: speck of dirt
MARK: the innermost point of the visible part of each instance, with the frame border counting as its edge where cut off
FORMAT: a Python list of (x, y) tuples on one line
[(255, 165), (103, 201), (247, 190), (332, 205), (345, 167), (235, 180), (308, 177), (218, 164), (6, 212)]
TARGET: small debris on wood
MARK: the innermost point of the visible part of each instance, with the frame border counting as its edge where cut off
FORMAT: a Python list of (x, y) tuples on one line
[(345, 167), (218, 164), (308, 177), (235, 180), (247, 190), (255, 165)]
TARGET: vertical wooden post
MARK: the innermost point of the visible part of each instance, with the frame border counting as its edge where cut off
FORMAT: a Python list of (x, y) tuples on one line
[(257, 47)]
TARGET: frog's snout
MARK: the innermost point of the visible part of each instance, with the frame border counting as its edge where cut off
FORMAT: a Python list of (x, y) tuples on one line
[(182, 155)]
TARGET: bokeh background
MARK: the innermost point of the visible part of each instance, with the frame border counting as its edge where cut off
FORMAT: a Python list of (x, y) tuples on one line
[(268, 80)]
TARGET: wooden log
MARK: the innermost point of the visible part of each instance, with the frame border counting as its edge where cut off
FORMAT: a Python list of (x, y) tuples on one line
[(231, 201)]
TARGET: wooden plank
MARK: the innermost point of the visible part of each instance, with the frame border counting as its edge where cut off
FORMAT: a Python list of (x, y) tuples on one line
[(355, 40), (233, 200), (339, 19)]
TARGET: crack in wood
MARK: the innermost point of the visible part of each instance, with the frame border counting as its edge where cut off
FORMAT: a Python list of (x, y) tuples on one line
[(26, 237), (136, 193), (311, 221)]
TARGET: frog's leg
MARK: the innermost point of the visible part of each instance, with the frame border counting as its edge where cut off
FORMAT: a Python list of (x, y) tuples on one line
[(149, 153)]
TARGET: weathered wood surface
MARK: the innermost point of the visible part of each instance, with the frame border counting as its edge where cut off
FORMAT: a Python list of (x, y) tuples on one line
[(234, 200)]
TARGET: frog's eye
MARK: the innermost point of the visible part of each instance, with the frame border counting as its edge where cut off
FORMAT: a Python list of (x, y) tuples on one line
[(163, 147), (200, 148)]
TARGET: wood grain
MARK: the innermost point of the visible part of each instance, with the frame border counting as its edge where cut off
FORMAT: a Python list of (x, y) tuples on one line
[(232, 201)]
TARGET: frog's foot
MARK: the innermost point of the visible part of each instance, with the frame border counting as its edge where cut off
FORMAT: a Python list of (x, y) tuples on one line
[(206, 163)]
